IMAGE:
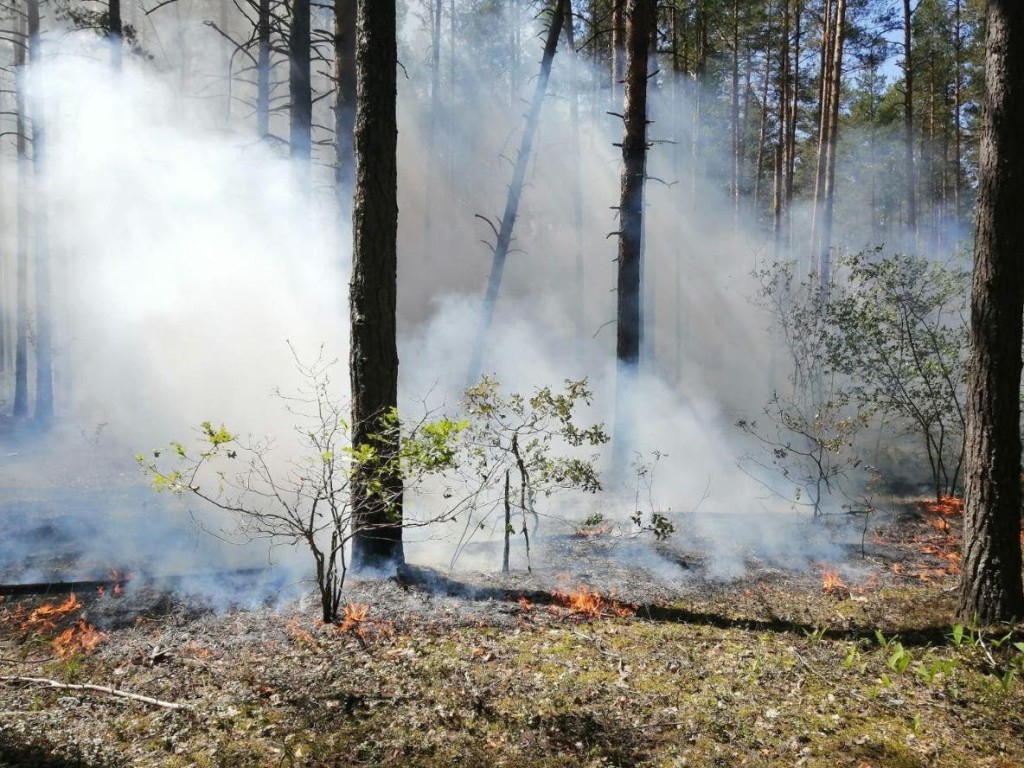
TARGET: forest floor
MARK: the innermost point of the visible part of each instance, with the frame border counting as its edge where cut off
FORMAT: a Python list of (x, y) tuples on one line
[(775, 668)]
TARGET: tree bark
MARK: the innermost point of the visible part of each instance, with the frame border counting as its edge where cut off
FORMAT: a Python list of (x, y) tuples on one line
[(373, 357), (991, 588), (515, 192), (300, 84)]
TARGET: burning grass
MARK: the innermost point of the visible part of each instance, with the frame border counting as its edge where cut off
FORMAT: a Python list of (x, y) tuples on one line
[(591, 604), (49, 621), (771, 671)]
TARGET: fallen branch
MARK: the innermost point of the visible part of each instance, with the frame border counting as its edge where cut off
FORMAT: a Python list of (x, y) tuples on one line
[(91, 687)]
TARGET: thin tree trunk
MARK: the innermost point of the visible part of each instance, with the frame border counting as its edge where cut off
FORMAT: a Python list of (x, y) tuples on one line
[(830, 149), (991, 587), (263, 69), (629, 335), (734, 121), (300, 84), (515, 192), (24, 181), (577, 170), (373, 356), (781, 156), (957, 105), (345, 102), (115, 32), (44, 327), (434, 124), (908, 123), (824, 94), (618, 50)]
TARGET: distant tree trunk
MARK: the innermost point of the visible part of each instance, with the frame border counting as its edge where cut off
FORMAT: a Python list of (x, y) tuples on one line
[(44, 327), (734, 121), (345, 100), (21, 300), (373, 357), (115, 32), (618, 49), (794, 114), (908, 121), (824, 93), (434, 126), (629, 335), (515, 191), (300, 84), (957, 106), (577, 170), (829, 201), (263, 69), (781, 157), (991, 588)]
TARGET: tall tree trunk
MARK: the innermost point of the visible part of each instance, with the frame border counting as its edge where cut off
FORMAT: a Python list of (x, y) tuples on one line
[(794, 114), (373, 356), (345, 100), (829, 197), (515, 192), (991, 588), (300, 84), (263, 69), (115, 32), (24, 182), (44, 319), (631, 207), (908, 122)]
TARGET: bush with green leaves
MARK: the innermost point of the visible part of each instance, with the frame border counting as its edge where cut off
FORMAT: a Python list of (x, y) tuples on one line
[(517, 450), (897, 332), (885, 344), (306, 500)]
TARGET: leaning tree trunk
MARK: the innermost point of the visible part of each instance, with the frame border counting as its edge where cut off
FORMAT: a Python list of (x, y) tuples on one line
[(631, 210), (345, 101), (373, 356), (300, 84), (991, 588), (44, 320), (515, 192)]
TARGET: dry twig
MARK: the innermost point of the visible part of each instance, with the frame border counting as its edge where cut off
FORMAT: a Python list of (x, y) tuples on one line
[(92, 687)]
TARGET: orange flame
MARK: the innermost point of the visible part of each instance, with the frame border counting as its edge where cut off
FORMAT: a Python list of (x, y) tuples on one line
[(355, 615), (583, 602), (600, 530), (832, 583), (78, 638), (45, 615)]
